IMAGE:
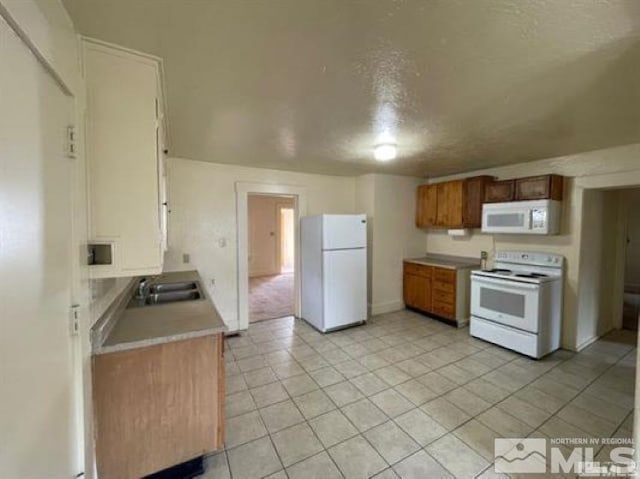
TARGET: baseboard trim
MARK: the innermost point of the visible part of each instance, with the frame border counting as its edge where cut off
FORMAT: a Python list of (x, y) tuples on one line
[(588, 342), (387, 307)]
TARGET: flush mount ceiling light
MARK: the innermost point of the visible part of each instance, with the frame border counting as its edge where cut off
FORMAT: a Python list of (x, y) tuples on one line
[(385, 152)]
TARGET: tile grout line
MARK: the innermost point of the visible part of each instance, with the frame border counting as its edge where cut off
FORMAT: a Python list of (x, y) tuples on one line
[(389, 346)]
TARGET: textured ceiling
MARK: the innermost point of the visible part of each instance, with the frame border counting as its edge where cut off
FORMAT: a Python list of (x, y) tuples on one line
[(313, 85)]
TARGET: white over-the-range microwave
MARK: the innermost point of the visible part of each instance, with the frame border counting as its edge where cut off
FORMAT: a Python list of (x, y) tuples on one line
[(540, 217)]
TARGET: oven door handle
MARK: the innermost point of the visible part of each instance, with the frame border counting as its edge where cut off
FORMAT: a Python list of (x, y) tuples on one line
[(506, 283)]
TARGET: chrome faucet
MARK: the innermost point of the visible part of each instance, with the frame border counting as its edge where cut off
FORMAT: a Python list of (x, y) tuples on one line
[(142, 288)]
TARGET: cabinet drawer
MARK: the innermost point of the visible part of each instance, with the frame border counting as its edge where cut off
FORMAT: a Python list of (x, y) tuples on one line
[(499, 191), (445, 287), (444, 275), (443, 297), (418, 270), (443, 309)]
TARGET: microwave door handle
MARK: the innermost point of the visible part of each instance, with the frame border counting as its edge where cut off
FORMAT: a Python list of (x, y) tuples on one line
[(508, 284)]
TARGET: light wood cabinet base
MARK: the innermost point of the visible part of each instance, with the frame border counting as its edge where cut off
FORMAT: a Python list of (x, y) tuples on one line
[(436, 291), (158, 406)]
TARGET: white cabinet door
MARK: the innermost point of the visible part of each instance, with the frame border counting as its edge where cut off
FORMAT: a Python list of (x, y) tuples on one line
[(122, 154)]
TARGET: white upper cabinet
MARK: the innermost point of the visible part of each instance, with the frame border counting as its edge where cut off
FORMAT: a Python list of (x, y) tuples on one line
[(124, 147)]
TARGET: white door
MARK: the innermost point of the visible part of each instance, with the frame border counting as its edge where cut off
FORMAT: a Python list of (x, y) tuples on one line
[(37, 429), (344, 231), (508, 302), (345, 287)]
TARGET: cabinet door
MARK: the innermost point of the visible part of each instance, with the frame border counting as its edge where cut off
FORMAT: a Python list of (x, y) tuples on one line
[(449, 204), (417, 292), (442, 212), (122, 158), (539, 188), (473, 198), (426, 209), (499, 191), (157, 406)]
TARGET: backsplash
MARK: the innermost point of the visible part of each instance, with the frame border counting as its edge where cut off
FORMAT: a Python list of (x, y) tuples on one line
[(103, 292)]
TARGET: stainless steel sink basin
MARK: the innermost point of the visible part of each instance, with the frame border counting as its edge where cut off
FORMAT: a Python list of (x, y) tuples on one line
[(172, 297), (164, 293), (168, 287)]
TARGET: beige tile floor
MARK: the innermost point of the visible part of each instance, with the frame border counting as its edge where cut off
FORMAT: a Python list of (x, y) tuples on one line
[(406, 396)]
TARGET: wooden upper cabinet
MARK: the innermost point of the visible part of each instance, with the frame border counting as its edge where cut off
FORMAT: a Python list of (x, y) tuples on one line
[(426, 208), (545, 187), (499, 191), (474, 190), (452, 204)]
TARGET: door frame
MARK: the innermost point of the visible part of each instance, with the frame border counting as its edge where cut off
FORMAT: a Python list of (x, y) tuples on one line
[(609, 181), (279, 208), (243, 190)]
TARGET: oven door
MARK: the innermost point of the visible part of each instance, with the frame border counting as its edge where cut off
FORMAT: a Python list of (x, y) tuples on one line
[(508, 302)]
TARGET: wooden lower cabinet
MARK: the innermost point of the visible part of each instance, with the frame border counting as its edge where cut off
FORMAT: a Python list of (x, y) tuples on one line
[(442, 292), (158, 406), (417, 291)]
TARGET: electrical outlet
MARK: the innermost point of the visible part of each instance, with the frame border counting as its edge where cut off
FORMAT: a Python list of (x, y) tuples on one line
[(71, 142), (74, 320), (186, 258), (484, 255)]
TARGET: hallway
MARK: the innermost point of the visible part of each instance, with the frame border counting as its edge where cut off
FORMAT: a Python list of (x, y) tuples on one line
[(270, 297)]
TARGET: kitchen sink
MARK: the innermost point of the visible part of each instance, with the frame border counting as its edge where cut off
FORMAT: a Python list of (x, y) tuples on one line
[(172, 297), (165, 293), (170, 287)]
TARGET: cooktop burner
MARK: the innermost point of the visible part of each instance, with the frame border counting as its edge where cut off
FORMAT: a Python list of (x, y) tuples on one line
[(507, 273)]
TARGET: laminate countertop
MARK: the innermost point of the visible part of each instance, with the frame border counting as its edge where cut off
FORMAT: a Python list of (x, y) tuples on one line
[(446, 261), (150, 325)]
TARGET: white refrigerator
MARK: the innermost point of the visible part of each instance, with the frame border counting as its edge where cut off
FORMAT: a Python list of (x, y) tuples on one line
[(334, 270)]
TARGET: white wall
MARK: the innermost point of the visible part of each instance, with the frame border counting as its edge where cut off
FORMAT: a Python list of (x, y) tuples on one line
[(203, 218), (600, 264), (42, 224), (56, 440), (264, 234), (632, 265), (365, 203), (389, 202), (597, 169)]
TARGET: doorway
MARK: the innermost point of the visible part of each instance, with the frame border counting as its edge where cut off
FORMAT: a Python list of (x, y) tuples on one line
[(631, 301), (271, 256)]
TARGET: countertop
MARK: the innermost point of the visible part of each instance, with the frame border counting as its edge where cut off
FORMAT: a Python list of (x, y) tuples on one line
[(157, 324), (446, 261)]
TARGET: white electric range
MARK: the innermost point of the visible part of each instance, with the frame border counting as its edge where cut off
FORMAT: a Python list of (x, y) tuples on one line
[(518, 303)]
